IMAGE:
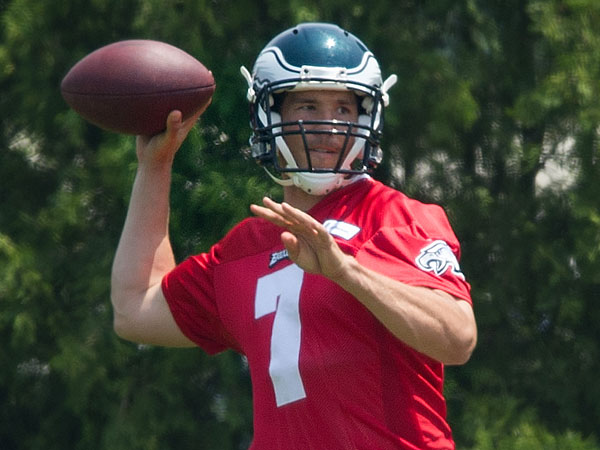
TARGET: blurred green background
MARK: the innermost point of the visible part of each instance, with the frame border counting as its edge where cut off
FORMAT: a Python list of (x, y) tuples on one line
[(495, 116)]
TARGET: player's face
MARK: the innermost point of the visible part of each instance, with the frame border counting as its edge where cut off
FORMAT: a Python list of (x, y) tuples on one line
[(324, 149)]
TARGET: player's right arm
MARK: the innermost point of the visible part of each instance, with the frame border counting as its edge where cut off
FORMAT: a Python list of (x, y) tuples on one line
[(144, 254)]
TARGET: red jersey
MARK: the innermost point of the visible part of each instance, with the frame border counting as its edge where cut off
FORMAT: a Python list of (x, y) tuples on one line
[(326, 374)]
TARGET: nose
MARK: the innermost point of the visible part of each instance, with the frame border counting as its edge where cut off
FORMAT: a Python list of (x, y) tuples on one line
[(327, 135), (327, 125), (329, 113)]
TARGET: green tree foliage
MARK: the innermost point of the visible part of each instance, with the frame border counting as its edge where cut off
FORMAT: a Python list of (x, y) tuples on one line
[(495, 117)]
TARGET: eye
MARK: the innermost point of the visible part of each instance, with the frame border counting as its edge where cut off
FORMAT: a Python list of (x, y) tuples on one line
[(346, 111)]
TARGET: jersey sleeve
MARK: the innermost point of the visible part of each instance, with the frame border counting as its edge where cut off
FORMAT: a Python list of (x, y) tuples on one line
[(189, 290), (425, 252)]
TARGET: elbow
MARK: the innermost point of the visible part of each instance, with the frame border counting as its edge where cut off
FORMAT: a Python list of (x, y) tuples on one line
[(126, 329), (122, 324), (120, 327), (462, 337), (462, 348)]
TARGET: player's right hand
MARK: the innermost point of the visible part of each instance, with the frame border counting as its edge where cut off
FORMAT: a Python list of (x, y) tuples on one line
[(160, 149)]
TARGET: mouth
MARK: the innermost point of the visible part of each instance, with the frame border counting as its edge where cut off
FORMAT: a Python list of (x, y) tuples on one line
[(326, 151), (324, 158)]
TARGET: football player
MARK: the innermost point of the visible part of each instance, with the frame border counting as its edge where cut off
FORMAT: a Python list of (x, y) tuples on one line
[(347, 299)]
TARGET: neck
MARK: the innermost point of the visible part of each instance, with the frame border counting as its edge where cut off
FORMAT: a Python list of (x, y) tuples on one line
[(300, 199)]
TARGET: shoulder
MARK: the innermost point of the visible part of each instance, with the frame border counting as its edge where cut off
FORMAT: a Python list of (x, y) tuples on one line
[(249, 237), (388, 207), (392, 196), (252, 235), (427, 216)]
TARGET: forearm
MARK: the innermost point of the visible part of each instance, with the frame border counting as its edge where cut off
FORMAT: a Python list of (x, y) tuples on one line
[(144, 252), (432, 322)]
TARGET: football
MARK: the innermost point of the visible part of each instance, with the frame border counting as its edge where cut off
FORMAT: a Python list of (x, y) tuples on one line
[(131, 86)]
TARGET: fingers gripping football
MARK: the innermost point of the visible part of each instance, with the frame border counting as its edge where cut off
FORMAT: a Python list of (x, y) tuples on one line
[(161, 148), (308, 243)]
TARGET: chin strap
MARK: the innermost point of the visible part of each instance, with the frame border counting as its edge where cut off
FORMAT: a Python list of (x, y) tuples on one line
[(314, 183), (310, 182)]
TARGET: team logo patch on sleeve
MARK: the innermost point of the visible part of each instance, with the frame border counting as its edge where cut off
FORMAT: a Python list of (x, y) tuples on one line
[(437, 257)]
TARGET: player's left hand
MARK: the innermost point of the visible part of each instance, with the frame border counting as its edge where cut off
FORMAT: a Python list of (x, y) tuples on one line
[(308, 243)]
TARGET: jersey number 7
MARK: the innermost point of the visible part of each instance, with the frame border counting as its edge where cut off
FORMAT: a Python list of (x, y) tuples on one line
[(279, 292)]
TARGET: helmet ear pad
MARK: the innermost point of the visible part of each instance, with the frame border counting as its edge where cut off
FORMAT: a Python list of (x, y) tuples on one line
[(275, 117), (365, 120), (280, 143)]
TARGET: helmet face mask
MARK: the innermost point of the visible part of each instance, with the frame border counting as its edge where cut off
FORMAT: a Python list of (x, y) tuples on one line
[(313, 57)]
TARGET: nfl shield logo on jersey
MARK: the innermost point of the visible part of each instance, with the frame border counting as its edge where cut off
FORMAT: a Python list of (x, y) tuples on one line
[(437, 257)]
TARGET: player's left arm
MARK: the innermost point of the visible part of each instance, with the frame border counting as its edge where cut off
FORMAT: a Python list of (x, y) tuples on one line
[(431, 321)]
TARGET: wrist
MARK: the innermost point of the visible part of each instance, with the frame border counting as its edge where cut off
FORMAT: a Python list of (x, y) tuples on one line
[(346, 273), (155, 168)]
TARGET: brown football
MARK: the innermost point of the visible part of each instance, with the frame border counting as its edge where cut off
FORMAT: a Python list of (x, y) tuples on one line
[(131, 86)]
